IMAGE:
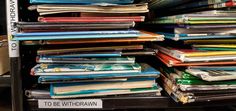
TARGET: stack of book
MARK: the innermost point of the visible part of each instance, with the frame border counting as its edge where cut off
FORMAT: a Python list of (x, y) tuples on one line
[(101, 62), (203, 68), (185, 6)]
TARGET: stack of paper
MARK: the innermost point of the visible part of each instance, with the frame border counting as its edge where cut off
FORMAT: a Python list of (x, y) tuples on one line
[(99, 56)]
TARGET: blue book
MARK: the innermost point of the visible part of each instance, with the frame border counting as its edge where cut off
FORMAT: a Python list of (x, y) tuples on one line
[(77, 35), (84, 69), (32, 34), (108, 36), (146, 71), (80, 1)]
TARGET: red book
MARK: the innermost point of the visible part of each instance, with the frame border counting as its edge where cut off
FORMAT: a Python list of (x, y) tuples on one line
[(230, 3), (92, 19), (170, 62)]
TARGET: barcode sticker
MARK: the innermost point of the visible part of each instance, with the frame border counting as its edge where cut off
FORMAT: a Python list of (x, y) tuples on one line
[(70, 104)]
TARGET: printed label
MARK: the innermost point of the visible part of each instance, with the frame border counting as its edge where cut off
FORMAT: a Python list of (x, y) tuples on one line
[(71, 104), (12, 17)]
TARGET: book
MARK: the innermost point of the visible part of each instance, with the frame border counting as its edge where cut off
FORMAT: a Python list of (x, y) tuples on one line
[(144, 37), (146, 72), (225, 68), (215, 49), (230, 46), (204, 3), (46, 9), (87, 33), (196, 36), (83, 69), (80, 1), (62, 26), (203, 26), (76, 35), (188, 55), (87, 49), (170, 61), (103, 88), (211, 41), (77, 87), (196, 85), (85, 54), (213, 75), (103, 93), (91, 19), (115, 60)]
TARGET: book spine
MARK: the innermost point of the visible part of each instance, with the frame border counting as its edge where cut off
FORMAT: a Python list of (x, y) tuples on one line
[(173, 53), (216, 1)]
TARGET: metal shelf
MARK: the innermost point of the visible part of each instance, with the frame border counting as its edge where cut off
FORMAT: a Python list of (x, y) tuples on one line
[(161, 102)]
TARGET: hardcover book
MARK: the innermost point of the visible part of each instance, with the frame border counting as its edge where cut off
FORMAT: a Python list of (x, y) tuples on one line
[(80, 1), (146, 71), (84, 69)]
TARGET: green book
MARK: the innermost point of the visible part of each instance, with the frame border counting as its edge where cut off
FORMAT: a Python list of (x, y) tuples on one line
[(201, 82)]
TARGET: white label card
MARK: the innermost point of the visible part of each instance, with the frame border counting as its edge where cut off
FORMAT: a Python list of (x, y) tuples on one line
[(70, 104)]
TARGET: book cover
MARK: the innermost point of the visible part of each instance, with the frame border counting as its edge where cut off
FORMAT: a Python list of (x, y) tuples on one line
[(87, 49), (115, 60), (146, 71), (85, 55), (104, 88), (223, 68), (93, 86), (232, 46), (109, 93), (91, 19), (170, 62), (47, 9), (213, 75), (211, 41), (86, 33), (84, 69), (62, 26), (80, 1)]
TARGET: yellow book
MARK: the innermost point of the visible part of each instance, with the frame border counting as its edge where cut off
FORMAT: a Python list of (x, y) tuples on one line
[(209, 53), (211, 41), (115, 85), (217, 46)]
